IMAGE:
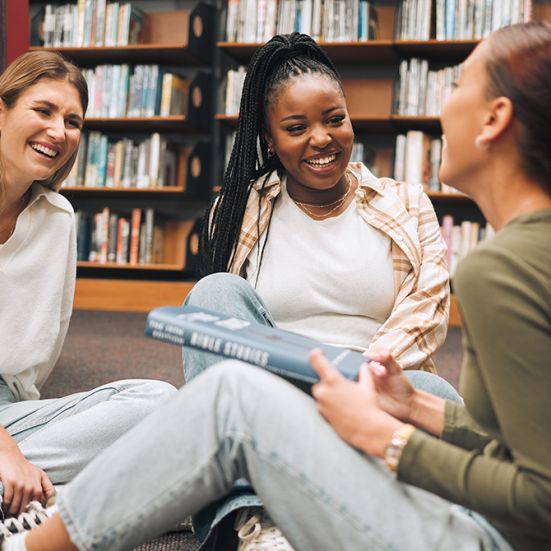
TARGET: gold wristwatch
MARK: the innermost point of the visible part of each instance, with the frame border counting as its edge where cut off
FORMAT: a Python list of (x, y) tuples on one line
[(394, 450)]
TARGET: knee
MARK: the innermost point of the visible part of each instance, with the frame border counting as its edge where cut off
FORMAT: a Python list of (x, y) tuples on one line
[(145, 395), (211, 288), (433, 384), (244, 381)]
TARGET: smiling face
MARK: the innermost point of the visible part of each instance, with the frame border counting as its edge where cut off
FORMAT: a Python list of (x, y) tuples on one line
[(40, 132), (465, 115), (310, 131)]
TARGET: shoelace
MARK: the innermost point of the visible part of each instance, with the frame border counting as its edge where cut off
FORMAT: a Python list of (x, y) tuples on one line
[(259, 527), (31, 518)]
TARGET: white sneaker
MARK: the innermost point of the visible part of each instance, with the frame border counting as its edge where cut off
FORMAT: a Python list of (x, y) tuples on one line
[(256, 532), (34, 515)]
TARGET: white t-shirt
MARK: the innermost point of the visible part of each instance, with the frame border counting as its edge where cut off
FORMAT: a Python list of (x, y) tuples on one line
[(37, 282), (331, 280)]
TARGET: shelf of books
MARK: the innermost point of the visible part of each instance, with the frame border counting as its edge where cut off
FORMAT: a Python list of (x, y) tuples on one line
[(143, 172), (399, 63)]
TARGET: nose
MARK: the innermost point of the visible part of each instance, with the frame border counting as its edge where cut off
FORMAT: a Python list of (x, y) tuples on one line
[(320, 138), (56, 129)]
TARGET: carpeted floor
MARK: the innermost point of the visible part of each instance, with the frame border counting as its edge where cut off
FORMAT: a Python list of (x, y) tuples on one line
[(103, 347)]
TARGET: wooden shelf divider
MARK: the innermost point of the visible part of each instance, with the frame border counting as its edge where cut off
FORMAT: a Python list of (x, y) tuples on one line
[(128, 295), (381, 51)]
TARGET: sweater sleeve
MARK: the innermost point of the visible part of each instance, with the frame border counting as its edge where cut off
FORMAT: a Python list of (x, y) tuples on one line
[(506, 379), (461, 429)]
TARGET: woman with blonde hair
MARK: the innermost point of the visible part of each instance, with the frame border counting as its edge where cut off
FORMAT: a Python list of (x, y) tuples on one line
[(44, 443), (377, 464)]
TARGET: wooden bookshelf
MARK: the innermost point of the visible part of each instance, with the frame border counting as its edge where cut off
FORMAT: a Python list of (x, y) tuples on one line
[(128, 295), (370, 96), (171, 54), (343, 53), (123, 191), (378, 52), (183, 39), (161, 267), (173, 123)]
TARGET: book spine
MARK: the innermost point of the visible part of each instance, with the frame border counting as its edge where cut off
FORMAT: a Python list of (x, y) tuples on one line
[(135, 236)]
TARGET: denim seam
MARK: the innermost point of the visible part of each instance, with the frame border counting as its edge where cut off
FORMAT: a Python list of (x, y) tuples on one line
[(49, 418)]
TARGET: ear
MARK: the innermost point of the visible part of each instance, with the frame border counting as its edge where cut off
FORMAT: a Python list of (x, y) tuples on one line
[(269, 142), (498, 120)]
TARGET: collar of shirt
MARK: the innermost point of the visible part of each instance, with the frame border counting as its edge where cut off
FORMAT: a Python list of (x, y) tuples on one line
[(54, 198)]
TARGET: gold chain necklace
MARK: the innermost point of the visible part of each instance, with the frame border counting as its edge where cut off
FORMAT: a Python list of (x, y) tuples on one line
[(338, 203), (340, 200)]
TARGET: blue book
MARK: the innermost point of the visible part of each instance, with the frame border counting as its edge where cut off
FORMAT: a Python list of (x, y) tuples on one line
[(281, 352)]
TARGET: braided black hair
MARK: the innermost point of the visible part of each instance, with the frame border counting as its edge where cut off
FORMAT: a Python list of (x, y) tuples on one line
[(281, 58)]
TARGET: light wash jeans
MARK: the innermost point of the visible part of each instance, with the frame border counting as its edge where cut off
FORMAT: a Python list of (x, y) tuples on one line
[(233, 295), (62, 435), (238, 421)]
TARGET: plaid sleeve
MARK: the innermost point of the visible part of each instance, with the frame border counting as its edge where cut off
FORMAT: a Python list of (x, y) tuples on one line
[(418, 323)]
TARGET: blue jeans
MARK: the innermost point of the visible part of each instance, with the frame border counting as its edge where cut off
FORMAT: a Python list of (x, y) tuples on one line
[(233, 295), (239, 421), (62, 435)]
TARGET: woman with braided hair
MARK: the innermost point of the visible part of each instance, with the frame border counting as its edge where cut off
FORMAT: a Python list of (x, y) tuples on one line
[(302, 238)]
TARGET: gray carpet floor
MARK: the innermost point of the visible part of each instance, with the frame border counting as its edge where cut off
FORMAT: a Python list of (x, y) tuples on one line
[(103, 347)]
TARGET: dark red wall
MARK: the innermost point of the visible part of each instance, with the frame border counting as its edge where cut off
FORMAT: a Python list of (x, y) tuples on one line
[(14, 32)]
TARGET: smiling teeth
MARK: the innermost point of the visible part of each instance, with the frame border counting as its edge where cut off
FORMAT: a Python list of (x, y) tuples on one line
[(323, 161), (44, 149)]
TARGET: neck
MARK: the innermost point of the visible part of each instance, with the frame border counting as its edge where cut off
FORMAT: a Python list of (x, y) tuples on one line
[(312, 196), (511, 195), (14, 190), (9, 213)]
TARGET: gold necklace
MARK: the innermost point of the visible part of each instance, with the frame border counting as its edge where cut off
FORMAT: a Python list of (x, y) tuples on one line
[(319, 216), (340, 200)]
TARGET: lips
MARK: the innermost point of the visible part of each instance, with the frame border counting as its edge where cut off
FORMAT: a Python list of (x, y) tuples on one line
[(45, 150), (323, 162)]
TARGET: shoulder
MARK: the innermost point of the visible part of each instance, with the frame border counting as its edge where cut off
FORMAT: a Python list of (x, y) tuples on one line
[(515, 260)]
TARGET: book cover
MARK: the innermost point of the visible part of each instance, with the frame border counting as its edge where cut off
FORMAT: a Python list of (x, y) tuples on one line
[(281, 352)]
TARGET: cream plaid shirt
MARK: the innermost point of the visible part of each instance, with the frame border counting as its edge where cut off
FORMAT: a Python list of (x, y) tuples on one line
[(418, 323)]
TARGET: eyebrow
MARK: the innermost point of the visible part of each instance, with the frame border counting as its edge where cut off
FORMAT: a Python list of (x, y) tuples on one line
[(303, 117), (54, 106)]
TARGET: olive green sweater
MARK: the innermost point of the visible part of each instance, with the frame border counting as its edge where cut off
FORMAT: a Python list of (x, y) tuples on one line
[(494, 456)]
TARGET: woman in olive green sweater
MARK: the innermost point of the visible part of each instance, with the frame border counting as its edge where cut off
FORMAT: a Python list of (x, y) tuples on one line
[(476, 477)]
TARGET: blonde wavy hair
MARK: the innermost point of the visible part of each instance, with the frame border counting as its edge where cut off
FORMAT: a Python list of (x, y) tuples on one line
[(26, 71)]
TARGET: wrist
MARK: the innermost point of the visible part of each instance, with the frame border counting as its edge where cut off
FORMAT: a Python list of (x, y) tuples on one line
[(393, 450), (427, 412), (376, 439)]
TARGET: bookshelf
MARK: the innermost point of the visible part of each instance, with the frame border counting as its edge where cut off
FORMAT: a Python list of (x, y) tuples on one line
[(175, 35), (178, 37), (369, 70)]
